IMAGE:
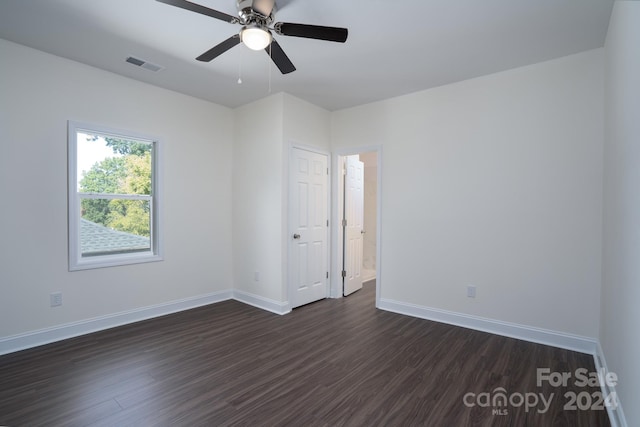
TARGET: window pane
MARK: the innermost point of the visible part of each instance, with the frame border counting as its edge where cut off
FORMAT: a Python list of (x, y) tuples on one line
[(111, 165), (116, 226)]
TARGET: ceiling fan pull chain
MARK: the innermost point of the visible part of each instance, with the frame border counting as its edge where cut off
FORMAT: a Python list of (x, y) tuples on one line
[(240, 67), (270, 57)]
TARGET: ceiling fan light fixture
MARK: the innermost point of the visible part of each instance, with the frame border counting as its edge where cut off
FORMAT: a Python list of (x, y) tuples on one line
[(255, 37)]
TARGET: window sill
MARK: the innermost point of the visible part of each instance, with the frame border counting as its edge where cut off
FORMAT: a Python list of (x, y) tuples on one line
[(113, 261)]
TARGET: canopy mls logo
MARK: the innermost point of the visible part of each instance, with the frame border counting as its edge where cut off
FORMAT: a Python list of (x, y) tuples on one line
[(500, 401)]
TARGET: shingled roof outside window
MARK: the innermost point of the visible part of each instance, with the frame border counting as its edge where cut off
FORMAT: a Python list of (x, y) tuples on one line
[(96, 239)]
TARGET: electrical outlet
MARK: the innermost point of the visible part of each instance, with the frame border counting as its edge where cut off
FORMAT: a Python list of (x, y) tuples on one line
[(471, 291), (55, 299)]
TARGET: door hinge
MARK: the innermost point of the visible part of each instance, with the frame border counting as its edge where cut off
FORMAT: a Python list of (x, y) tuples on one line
[(344, 222), (327, 223), (344, 274), (327, 274), (327, 171)]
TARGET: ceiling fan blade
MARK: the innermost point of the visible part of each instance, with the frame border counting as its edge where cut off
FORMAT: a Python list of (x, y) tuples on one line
[(193, 7), (219, 49), (280, 58), (332, 34), (264, 7)]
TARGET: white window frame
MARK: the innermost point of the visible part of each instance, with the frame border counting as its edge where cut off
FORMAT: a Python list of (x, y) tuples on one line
[(76, 260)]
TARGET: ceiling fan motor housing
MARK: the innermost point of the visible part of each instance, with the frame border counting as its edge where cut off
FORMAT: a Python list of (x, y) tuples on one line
[(248, 14)]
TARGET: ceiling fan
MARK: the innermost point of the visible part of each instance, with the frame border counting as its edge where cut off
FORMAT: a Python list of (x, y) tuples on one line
[(256, 18)]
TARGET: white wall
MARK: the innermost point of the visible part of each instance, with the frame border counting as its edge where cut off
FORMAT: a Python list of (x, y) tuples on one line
[(621, 265), (496, 182), (257, 203), (306, 124), (39, 93)]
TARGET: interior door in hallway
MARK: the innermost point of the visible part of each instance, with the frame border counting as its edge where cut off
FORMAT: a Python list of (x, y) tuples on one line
[(309, 227), (353, 224)]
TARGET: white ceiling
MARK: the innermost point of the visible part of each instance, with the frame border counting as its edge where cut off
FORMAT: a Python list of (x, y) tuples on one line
[(394, 47)]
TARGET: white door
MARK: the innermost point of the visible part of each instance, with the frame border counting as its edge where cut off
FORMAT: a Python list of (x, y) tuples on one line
[(309, 227), (354, 224)]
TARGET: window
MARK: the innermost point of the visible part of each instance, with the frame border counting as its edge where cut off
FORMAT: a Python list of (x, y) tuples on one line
[(113, 197)]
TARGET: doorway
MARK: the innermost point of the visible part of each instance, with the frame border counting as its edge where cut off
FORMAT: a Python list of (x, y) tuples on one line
[(356, 241), (370, 236)]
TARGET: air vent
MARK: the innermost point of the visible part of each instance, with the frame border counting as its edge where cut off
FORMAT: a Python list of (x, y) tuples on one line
[(144, 64)]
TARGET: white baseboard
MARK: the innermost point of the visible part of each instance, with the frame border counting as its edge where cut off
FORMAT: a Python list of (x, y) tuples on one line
[(262, 302), (512, 330), (616, 416), (57, 333)]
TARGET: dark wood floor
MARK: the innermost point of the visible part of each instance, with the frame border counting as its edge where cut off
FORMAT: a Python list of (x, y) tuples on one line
[(335, 362)]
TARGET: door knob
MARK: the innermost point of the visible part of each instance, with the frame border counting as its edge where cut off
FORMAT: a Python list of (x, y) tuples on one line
[(296, 236)]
